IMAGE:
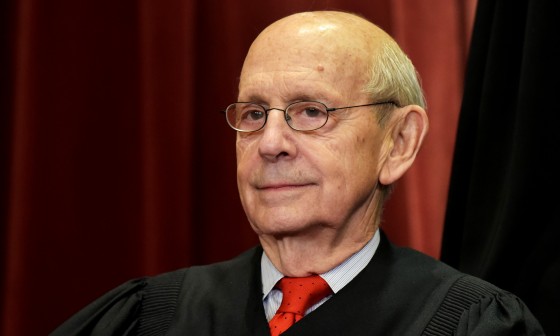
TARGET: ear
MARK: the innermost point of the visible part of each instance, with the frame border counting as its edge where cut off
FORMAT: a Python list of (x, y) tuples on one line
[(408, 127)]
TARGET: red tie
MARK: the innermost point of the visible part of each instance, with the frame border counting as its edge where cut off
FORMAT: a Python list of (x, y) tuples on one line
[(298, 295)]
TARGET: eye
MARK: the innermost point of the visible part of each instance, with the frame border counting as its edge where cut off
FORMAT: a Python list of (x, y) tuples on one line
[(306, 115), (308, 110), (251, 113), (312, 112)]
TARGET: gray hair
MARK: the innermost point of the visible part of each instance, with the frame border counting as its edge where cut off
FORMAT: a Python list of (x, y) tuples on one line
[(393, 78)]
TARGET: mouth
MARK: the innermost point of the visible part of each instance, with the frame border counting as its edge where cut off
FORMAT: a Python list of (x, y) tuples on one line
[(282, 186)]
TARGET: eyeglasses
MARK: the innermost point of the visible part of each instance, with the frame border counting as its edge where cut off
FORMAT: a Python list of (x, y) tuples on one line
[(300, 116)]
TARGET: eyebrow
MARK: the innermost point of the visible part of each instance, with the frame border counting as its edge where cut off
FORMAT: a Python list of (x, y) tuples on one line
[(258, 99)]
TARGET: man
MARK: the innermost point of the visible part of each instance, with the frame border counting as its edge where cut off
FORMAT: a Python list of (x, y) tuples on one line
[(330, 114)]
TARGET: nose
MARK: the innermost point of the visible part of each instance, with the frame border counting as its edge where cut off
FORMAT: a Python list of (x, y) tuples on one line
[(277, 138)]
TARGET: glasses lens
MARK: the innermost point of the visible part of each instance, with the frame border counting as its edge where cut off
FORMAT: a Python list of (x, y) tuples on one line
[(245, 117), (307, 116)]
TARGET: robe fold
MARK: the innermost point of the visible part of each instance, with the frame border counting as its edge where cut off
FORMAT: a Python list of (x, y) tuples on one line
[(400, 292)]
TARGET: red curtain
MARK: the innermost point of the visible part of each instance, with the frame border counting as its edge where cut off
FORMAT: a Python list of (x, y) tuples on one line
[(115, 160)]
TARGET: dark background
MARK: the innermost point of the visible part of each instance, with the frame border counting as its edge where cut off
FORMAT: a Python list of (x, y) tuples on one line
[(116, 163)]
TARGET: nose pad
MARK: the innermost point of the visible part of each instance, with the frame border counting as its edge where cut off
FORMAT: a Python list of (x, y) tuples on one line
[(286, 117)]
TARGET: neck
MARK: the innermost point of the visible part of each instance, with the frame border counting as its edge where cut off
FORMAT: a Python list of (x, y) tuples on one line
[(312, 253)]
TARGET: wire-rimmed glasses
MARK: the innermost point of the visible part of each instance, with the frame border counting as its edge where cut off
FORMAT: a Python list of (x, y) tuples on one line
[(300, 116)]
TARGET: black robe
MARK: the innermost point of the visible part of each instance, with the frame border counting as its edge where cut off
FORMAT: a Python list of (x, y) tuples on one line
[(400, 292)]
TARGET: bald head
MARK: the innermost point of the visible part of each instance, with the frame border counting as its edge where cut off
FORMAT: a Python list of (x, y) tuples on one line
[(342, 29), (342, 45), (338, 42)]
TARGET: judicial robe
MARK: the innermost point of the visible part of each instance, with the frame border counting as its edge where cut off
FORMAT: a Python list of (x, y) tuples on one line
[(400, 292)]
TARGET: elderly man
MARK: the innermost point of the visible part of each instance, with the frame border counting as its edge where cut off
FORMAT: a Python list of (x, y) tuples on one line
[(330, 114)]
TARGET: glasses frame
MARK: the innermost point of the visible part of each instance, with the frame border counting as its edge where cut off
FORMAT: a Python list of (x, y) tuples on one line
[(286, 116)]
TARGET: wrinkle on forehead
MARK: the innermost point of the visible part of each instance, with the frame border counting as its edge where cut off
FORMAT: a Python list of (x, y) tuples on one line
[(308, 86)]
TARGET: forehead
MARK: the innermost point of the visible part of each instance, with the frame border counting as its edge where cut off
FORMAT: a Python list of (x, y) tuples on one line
[(307, 57)]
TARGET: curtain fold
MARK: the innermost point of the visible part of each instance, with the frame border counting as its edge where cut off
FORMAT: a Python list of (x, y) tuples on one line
[(501, 222), (116, 161), (439, 52), (166, 92)]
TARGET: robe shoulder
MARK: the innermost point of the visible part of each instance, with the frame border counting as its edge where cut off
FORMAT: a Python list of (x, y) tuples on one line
[(121, 310), (147, 305), (473, 306)]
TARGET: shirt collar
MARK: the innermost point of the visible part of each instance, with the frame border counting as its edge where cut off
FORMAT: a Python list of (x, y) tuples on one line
[(337, 277)]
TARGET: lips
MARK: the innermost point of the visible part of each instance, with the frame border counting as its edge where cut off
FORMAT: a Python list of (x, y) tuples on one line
[(282, 186)]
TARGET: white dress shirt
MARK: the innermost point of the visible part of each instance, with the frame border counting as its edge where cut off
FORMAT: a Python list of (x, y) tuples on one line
[(337, 277)]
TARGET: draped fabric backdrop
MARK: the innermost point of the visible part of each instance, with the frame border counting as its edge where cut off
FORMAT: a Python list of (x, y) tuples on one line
[(116, 163), (502, 222)]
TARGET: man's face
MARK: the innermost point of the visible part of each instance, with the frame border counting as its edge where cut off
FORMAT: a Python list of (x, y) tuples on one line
[(290, 181)]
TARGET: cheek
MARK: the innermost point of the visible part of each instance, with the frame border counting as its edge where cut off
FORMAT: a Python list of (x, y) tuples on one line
[(243, 155), (355, 162), (243, 151), (367, 151)]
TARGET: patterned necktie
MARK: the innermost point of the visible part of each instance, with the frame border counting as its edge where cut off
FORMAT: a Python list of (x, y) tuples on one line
[(298, 294)]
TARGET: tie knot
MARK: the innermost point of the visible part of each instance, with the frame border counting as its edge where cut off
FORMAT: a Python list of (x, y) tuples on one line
[(301, 293)]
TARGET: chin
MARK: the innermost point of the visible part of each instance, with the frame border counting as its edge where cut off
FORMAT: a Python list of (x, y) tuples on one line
[(279, 227), (283, 228)]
